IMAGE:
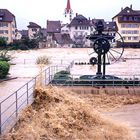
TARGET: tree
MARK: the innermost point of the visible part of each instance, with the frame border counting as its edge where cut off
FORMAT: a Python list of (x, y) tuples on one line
[(3, 42)]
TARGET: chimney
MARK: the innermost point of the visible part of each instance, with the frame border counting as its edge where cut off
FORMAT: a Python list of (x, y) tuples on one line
[(131, 6), (76, 14), (121, 8), (89, 18)]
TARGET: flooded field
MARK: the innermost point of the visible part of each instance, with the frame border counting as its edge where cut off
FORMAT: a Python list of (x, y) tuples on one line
[(25, 67)]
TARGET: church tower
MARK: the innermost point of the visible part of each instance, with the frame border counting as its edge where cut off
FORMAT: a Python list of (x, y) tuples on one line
[(68, 11)]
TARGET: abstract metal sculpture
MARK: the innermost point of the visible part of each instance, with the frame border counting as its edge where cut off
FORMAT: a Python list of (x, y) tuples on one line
[(106, 53)]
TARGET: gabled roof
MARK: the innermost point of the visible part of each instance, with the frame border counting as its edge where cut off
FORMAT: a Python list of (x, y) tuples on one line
[(53, 26), (110, 25), (79, 20), (33, 25), (127, 11), (6, 15), (62, 38)]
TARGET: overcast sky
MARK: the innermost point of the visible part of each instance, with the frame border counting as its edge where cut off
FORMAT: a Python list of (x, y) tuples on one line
[(39, 11)]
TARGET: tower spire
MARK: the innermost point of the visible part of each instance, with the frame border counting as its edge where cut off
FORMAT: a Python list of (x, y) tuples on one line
[(68, 10)]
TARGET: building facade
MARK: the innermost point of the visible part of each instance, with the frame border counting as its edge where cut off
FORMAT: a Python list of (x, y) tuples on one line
[(79, 28), (7, 25), (33, 29), (128, 24)]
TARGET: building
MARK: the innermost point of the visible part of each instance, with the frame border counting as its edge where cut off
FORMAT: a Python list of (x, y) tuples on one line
[(79, 28), (7, 25), (63, 40), (128, 24), (21, 34), (33, 29), (110, 28), (53, 27)]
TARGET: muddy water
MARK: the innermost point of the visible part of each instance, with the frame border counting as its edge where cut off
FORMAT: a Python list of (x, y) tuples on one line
[(26, 68), (9, 87), (130, 115)]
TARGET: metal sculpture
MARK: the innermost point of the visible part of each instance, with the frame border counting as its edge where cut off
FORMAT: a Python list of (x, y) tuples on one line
[(106, 53)]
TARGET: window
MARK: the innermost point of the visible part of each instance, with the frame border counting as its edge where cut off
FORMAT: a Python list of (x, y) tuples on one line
[(129, 25), (76, 27), (136, 32), (129, 38), (135, 18), (135, 38), (130, 32), (124, 18), (34, 29), (124, 38), (3, 31), (3, 24)]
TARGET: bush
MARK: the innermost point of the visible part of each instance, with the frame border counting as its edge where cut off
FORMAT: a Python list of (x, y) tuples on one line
[(2, 42), (4, 68), (42, 60), (61, 77), (4, 56)]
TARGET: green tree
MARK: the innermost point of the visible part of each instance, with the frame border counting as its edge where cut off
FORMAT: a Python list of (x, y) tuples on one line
[(4, 69), (3, 42)]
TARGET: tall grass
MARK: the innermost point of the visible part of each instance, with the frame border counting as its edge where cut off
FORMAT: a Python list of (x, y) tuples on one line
[(41, 61)]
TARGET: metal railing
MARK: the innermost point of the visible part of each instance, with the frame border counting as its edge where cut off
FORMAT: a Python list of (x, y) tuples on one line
[(13, 104), (93, 80), (11, 107)]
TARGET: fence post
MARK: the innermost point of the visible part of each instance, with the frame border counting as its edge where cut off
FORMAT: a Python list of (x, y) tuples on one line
[(24, 61), (45, 76), (27, 95), (49, 74), (16, 105), (0, 120)]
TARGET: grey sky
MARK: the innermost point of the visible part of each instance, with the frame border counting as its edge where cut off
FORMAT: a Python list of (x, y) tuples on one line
[(40, 10)]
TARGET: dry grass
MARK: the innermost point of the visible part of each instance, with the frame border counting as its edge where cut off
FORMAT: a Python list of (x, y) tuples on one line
[(61, 115), (43, 60)]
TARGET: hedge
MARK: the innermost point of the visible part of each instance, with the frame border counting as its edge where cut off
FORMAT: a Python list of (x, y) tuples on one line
[(4, 69)]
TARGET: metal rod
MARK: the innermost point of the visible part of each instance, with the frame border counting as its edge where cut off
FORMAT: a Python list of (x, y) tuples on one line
[(104, 61), (16, 105), (0, 120), (104, 68), (27, 95), (99, 65)]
